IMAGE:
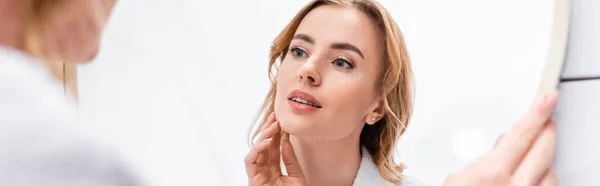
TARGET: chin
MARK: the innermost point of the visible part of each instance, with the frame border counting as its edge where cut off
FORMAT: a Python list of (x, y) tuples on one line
[(310, 127), (91, 56), (305, 127), (290, 122), (84, 58), (86, 54)]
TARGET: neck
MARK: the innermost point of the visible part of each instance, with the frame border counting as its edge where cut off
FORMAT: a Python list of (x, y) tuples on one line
[(14, 32), (329, 162), (13, 14)]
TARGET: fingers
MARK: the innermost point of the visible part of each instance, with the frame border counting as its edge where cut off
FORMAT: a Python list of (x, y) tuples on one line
[(258, 156), (268, 133), (263, 157), (550, 179), (290, 160), (539, 160), (274, 153), (270, 120), (498, 140), (252, 157), (516, 143)]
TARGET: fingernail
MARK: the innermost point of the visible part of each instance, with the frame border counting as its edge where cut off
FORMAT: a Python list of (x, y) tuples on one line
[(551, 122), (274, 124), (498, 139), (268, 140), (551, 98)]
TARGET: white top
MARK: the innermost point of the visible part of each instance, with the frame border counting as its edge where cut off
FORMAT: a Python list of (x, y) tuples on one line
[(368, 175), (40, 141)]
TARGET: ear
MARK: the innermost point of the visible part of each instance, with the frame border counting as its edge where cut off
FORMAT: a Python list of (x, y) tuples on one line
[(377, 111)]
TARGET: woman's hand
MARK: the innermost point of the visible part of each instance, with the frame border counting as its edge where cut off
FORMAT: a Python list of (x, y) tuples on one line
[(522, 157), (263, 161)]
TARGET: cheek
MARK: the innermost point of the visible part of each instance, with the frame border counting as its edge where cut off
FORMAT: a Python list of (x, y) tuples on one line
[(285, 78), (352, 104), (286, 75), (348, 101)]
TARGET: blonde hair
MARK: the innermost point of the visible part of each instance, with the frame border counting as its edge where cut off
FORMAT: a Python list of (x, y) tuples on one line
[(394, 84)]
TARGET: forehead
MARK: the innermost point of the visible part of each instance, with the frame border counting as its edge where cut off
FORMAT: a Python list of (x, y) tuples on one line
[(330, 23)]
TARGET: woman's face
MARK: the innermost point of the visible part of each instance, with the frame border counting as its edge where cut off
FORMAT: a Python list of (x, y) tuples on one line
[(72, 30), (331, 67)]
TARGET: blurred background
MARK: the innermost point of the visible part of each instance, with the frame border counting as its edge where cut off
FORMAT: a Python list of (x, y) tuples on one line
[(178, 83)]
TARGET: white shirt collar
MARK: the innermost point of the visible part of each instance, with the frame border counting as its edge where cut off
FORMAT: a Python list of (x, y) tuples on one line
[(368, 174)]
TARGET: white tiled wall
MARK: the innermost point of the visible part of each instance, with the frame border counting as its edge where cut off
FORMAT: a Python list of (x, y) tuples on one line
[(578, 116), (578, 112), (583, 53)]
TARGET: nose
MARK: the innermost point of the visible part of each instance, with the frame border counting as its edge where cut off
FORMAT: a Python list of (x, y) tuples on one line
[(309, 74)]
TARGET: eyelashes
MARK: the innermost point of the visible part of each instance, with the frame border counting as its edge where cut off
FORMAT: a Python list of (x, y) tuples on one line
[(339, 62), (343, 63), (297, 52)]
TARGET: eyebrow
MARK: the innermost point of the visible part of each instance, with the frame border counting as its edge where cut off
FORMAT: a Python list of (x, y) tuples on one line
[(339, 46)]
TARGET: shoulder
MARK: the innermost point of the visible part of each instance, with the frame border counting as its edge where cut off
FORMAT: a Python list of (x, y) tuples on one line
[(40, 129), (30, 97), (26, 79)]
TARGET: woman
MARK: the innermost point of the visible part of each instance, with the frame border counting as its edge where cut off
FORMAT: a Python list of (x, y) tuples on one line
[(341, 98), (38, 127)]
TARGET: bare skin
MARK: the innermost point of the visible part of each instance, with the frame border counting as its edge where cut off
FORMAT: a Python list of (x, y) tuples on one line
[(68, 31)]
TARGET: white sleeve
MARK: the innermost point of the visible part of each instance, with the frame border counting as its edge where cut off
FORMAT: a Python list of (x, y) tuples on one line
[(40, 141)]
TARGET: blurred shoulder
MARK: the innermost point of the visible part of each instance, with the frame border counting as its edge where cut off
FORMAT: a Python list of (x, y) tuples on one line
[(40, 128)]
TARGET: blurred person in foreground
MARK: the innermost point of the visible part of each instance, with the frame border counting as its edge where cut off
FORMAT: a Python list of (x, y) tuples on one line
[(40, 142)]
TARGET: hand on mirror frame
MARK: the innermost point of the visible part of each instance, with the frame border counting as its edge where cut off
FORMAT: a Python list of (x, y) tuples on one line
[(522, 157), (263, 161)]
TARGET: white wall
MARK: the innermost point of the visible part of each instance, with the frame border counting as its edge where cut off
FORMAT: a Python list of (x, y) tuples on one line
[(178, 82)]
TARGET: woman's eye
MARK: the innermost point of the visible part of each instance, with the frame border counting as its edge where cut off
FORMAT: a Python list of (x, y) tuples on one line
[(296, 52), (342, 64)]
